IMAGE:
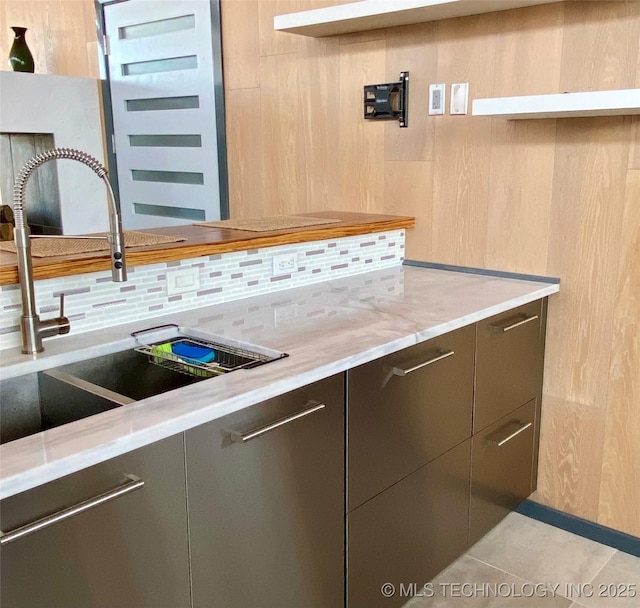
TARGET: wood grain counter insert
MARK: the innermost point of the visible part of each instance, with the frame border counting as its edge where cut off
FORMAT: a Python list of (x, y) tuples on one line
[(203, 241)]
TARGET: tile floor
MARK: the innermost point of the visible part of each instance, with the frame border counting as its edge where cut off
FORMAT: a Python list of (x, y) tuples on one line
[(524, 563)]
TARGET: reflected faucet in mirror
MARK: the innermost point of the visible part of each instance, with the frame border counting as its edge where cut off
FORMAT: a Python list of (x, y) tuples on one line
[(33, 330)]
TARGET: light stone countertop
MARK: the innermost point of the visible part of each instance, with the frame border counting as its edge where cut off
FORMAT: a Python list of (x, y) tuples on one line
[(326, 328)]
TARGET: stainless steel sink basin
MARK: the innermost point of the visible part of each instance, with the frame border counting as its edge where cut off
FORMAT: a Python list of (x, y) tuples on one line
[(37, 402), (44, 400), (40, 401)]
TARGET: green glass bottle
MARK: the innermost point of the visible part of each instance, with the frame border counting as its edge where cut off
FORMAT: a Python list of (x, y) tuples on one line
[(20, 57)]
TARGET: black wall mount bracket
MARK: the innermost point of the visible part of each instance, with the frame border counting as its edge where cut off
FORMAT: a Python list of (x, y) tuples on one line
[(388, 101)]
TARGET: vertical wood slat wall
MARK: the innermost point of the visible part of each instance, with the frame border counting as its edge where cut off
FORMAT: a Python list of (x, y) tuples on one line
[(553, 197)]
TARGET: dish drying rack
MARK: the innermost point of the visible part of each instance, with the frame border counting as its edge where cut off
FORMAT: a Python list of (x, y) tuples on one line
[(227, 358)]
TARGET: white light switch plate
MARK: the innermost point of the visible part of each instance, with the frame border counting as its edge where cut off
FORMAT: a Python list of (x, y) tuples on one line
[(459, 98), (437, 94)]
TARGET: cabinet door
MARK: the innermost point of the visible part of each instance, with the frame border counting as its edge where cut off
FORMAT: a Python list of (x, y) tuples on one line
[(266, 503), (410, 532), (406, 409), (501, 476), (129, 552), (509, 362)]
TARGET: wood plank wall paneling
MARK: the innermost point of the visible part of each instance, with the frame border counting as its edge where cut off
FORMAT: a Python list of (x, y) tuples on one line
[(586, 222), (245, 152), (412, 48), (61, 35), (318, 67), (361, 141), (283, 165), (634, 154), (239, 49), (620, 488), (600, 49), (557, 197), (466, 53), (523, 152), (570, 464), (271, 42)]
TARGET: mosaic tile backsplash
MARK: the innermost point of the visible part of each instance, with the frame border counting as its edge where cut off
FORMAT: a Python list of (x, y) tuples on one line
[(93, 301)]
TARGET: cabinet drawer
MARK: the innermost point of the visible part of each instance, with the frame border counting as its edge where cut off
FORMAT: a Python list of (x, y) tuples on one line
[(508, 362), (130, 551), (501, 469), (410, 532), (266, 503), (406, 409)]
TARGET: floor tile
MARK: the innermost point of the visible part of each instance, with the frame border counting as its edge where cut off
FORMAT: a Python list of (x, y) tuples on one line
[(617, 585), (541, 553), (469, 583)]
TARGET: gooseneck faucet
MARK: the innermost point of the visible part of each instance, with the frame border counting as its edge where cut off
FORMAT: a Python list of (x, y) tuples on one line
[(32, 328)]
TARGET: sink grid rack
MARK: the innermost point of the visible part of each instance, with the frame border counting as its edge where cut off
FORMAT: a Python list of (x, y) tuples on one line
[(227, 358)]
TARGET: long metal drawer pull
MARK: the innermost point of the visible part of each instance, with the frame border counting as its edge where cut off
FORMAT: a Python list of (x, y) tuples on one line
[(516, 324), (134, 483), (244, 437), (399, 371), (522, 427)]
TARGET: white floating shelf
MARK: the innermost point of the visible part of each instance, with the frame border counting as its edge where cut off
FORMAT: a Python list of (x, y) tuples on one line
[(567, 105), (376, 14)]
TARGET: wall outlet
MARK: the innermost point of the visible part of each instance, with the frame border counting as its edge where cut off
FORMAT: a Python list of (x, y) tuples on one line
[(182, 280), (459, 98), (436, 98), (284, 263)]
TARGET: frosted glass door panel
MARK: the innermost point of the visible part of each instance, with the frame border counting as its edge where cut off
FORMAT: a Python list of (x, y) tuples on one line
[(161, 70)]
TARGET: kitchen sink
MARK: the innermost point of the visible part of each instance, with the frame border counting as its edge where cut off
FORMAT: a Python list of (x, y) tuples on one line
[(40, 401), (44, 400)]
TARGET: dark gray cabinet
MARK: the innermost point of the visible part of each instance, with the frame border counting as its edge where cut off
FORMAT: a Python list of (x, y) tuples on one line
[(410, 532), (421, 488), (509, 365), (408, 462), (266, 503), (509, 362), (129, 551), (502, 455), (406, 409)]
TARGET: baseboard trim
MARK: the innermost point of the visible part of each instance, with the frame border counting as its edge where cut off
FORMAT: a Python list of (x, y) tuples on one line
[(581, 527)]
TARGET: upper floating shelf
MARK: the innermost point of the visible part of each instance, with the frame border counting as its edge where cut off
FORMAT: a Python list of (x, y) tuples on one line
[(376, 14), (595, 103)]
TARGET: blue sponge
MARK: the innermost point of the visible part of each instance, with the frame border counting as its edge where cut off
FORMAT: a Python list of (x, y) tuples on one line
[(193, 353)]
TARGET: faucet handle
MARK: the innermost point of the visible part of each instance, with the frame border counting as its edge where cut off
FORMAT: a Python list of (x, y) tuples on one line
[(54, 327), (63, 324)]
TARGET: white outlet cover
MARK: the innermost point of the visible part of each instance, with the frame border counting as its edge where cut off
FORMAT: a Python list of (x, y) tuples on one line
[(182, 280), (459, 98), (284, 263)]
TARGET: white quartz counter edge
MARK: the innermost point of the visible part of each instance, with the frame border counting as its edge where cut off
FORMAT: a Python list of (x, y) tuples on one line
[(359, 319)]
